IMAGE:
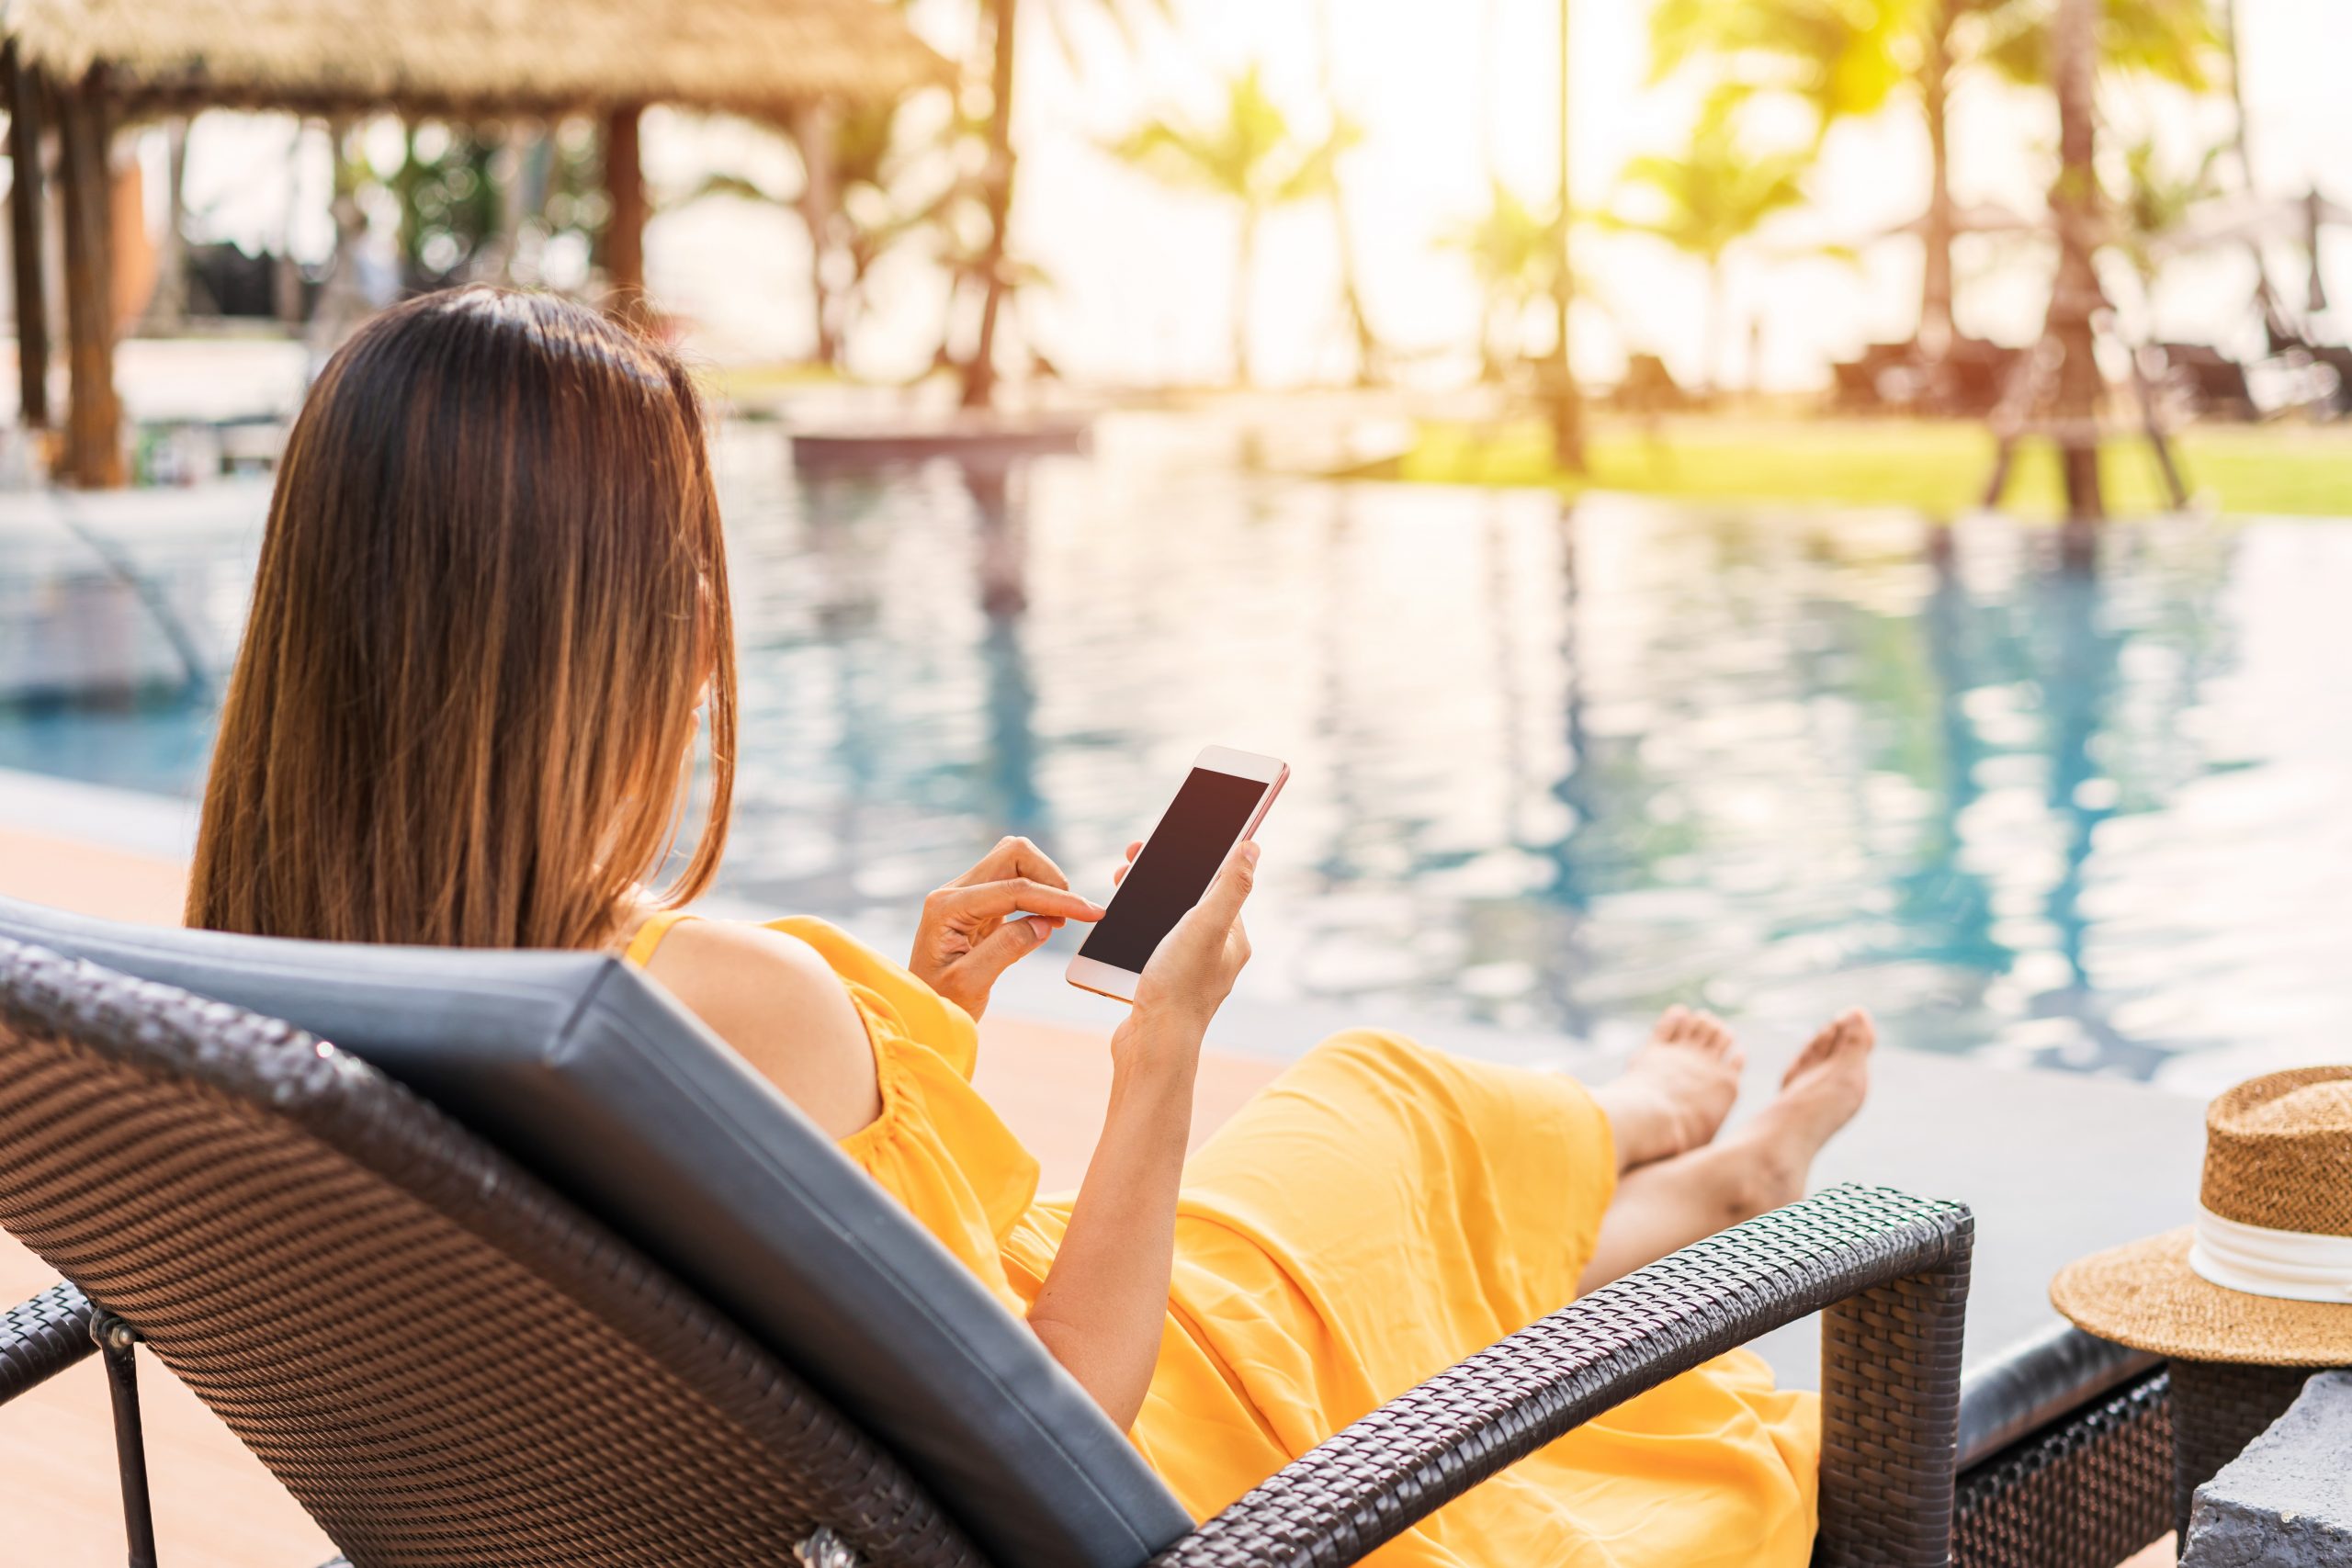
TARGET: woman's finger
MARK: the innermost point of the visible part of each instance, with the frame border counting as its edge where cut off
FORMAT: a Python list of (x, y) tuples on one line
[(1014, 856), (1026, 894), (1119, 872)]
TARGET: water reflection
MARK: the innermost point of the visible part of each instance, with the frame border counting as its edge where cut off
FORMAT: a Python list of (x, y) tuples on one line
[(1010, 794), (1555, 767)]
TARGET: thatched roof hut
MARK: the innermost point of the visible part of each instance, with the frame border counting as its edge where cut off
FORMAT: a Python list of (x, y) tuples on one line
[(468, 58), (73, 70)]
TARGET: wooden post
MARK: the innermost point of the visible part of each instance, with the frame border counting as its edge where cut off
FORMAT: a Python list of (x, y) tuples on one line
[(93, 458), (624, 227), (27, 199)]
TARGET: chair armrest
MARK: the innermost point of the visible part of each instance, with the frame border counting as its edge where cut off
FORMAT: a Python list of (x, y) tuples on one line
[(1889, 1402), (41, 1337)]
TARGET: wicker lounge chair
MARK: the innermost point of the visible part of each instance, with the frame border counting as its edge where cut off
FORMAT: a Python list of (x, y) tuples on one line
[(407, 1312)]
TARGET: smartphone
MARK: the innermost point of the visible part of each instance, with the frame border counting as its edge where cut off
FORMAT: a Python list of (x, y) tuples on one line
[(1224, 799)]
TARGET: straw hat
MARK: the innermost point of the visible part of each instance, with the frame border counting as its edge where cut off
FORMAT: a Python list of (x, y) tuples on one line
[(2263, 1277)]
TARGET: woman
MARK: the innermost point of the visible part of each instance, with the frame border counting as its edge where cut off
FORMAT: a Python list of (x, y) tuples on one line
[(492, 603)]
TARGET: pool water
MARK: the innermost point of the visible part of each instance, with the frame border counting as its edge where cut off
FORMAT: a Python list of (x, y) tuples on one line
[(1553, 766)]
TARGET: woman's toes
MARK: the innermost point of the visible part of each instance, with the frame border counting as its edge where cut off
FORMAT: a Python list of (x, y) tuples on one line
[(1821, 1093), (1831, 1075), (1849, 1031), (1703, 1031), (1688, 1076)]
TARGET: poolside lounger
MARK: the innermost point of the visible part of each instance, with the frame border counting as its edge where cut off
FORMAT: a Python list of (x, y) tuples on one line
[(526, 1267)]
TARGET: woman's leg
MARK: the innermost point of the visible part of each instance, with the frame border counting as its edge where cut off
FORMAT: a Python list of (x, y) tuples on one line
[(1673, 1202)]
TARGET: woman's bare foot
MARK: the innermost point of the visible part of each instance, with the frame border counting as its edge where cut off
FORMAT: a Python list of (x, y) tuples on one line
[(1765, 1164), (1819, 1094), (1677, 1089)]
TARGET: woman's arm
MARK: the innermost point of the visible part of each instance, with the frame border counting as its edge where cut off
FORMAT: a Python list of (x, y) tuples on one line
[(1103, 1304)]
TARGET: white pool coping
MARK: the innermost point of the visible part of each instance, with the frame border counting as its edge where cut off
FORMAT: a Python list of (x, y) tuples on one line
[(132, 820)]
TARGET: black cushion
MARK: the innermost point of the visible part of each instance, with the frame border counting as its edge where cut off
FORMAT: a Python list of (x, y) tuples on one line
[(2032, 1384), (591, 1076)]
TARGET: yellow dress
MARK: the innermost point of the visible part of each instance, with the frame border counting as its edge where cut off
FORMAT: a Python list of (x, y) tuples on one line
[(1374, 1215)]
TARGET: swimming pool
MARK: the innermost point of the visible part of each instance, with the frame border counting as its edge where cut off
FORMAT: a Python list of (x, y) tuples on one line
[(1553, 767)]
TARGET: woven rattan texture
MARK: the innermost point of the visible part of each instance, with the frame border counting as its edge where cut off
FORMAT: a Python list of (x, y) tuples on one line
[(2279, 1152), (41, 1337), (1369, 1482), (2086, 1494), (444, 1362), (2217, 1409), (1890, 1418)]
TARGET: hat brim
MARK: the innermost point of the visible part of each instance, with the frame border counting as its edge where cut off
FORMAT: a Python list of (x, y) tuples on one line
[(2145, 1295)]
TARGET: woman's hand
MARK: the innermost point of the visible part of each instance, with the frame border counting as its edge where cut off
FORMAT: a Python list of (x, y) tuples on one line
[(1190, 973), (967, 937)]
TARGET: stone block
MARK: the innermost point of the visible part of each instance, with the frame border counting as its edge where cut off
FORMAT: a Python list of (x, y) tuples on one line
[(2287, 1501)]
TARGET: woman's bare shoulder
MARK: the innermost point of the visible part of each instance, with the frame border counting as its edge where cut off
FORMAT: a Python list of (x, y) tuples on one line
[(782, 1008)]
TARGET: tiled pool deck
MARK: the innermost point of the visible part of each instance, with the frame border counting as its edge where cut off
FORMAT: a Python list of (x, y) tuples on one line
[(2053, 1164)]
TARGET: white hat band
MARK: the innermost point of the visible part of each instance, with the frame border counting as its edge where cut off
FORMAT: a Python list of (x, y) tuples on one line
[(2294, 1266)]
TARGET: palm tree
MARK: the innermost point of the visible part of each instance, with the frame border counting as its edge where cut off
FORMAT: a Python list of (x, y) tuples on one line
[(851, 201), (1709, 198), (997, 275), (1249, 156), (1369, 366), (1854, 58), (1512, 249), (2155, 198), (1567, 407)]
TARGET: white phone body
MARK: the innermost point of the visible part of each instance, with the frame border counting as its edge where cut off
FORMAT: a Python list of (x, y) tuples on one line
[(1115, 978)]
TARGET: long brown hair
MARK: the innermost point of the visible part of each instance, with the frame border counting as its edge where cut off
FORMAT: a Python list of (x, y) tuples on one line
[(491, 594)]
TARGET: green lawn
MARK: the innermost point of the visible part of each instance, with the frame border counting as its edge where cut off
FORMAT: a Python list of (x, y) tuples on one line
[(1938, 467)]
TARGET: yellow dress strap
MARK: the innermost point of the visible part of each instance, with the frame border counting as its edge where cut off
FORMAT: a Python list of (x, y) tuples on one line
[(649, 936)]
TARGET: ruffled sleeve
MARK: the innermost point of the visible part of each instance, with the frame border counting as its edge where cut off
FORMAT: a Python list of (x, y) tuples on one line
[(937, 1146)]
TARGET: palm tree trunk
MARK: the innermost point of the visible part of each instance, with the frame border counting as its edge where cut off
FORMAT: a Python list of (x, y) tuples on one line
[(167, 311), (979, 371), (2274, 314), (812, 130), (1368, 344), (1935, 288), (1567, 412), (1245, 265), (2075, 297), (2240, 139), (1711, 375)]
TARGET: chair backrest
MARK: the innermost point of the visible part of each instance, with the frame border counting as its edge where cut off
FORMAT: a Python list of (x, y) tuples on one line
[(591, 1080), (442, 1360)]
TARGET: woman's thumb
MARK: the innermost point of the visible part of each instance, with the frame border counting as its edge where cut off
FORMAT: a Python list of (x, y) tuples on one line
[(998, 951), (1234, 880)]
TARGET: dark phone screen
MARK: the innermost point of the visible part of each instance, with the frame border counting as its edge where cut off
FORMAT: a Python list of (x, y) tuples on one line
[(1175, 867)]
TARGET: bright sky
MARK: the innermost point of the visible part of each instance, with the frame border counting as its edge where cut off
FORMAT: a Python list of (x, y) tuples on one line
[(1144, 275)]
